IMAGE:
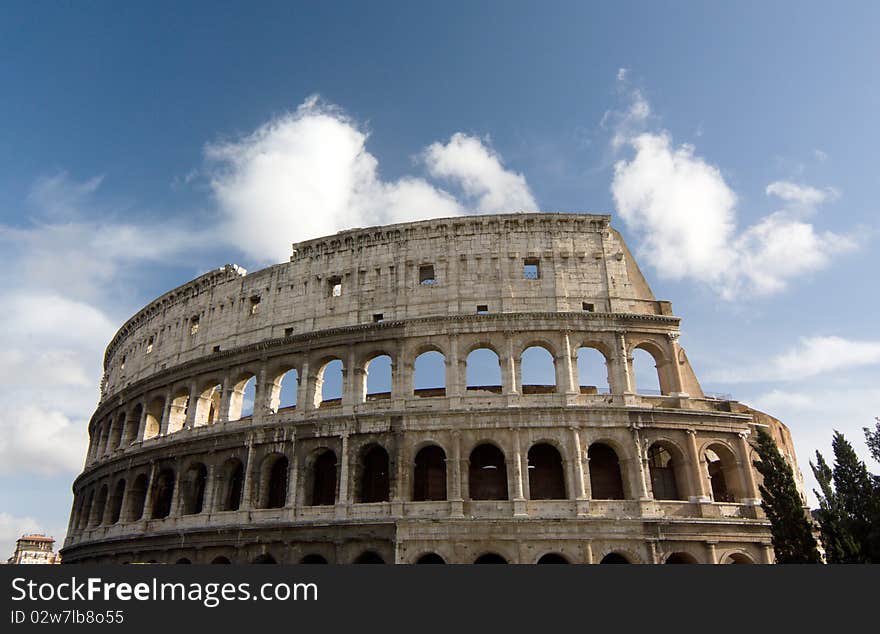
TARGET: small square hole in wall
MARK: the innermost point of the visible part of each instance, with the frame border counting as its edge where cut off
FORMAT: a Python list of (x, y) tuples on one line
[(193, 325), (588, 307), (426, 275), (122, 364), (378, 317), (482, 309), (334, 286), (149, 345), (531, 268), (216, 348), (288, 332), (255, 304)]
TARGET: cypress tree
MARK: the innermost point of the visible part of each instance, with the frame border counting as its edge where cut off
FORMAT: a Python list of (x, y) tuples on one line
[(790, 530), (838, 543)]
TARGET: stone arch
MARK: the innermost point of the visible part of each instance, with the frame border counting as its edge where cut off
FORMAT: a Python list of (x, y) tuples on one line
[(243, 395), (179, 407), (374, 481), (163, 493), (552, 558), (667, 468), (284, 389), (378, 377), (221, 560), (193, 487), (208, 403), (329, 382), (153, 419), (116, 430), (429, 373), (321, 480), (116, 499), (659, 379), (483, 369), (681, 558), (723, 470), (430, 558), (490, 558), (131, 425), (537, 369), (593, 370), (606, 478), (429, 474), (265, 558), (100, 506), (615, 557), (313, 558), (369, 557), (86, 511), (231, 484), (737, 557), (274, 474), (546, 472), (487, 473), (137, 498)]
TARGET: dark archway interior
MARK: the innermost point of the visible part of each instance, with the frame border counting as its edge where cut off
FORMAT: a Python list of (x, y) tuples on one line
[(490, 558), (546, 475), (235, 473), (605, 478), (487, 474), (429, 478), (552, 558), (614, 558), (369, 557), (276, 494), (662, 470), (430, 558), (375, 485), (163, 494), (264, 559), (324, 480), (313, 559)]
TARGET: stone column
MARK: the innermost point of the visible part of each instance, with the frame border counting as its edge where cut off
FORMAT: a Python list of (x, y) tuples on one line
[(262, 393), (225, 401), (292, 477), (508, 366), (652, 551), (453, 472), (246, 493), (354, 387), (343, 501), (580, 493), (697, 471), (767, 554), (305, 394), (622, 382), (569, 381), (519, 502), (639, 463), (166, 414), (401, 469), (453, 370), (142, 423), (148, 501), (676, 374), (713, 556), (210, 487), (192, 407), (588, 551), (585, 452), (175, 495), (753, 495)]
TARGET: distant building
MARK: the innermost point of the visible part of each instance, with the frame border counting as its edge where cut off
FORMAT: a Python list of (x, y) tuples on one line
[(35, 549)]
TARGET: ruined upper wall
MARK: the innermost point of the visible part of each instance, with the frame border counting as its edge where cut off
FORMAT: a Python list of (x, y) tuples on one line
[(476, 260)]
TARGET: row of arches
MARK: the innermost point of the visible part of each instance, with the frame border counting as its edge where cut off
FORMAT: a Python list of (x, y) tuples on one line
[(198, 489), (536, 369)]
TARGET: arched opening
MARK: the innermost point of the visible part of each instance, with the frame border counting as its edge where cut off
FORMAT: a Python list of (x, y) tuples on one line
[(374, 481), (116, 432), (681, 558), (490, 558), (153, 420), (738, 558), (163, 493), (328, 385), (194, 485), (313, 559), (646, 373), (546, 475), (264, 559), (85, 514), (131, 425), (288, 390), (605, 478), (104, 446), (208, 405), (537, 371), (116, 501), (183, 560), (429, 476), (665, 472), (552, 558), (242, 397), (323, 491), (233, 482), (487, 474), (137, 498), (178, 411), (430, 558), (377, 373), (722, 469), (275, 475), (614, 558), (429, 377), (221, 561), (100, 506), (483, 371), (369, 557), (592, 368)]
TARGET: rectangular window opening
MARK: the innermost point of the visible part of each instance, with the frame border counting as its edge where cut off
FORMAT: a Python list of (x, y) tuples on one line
[(149, 345), (194, 325), (216, 348), (426, 275), (288, 332), (531, 268), (588, 307), (482, 309), (378, 317), (334, 285), (255, 304)]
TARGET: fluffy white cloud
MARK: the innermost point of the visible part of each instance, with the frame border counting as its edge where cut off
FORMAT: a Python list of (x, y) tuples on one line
[(480, 174), (811, 357), (684, 216), (308, 173)]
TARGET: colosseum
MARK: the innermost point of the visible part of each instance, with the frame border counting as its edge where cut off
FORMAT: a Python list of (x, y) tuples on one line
[(456, 390)]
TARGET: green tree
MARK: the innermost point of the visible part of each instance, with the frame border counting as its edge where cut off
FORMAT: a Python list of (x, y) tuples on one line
[(838, 543), (873, 439), (791, 531)]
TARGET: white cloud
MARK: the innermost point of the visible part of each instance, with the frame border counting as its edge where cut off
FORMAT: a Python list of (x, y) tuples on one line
[(308, 173), (480, 173), (811, 357), (11, 528), (684, 215)]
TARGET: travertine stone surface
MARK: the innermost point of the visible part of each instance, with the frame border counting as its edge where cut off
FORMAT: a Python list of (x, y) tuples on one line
[(171, 449)]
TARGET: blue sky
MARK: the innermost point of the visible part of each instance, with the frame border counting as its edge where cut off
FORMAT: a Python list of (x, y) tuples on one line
[(736, 147)]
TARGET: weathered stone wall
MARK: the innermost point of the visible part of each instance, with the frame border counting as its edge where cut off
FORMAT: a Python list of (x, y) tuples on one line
[(171, 445)]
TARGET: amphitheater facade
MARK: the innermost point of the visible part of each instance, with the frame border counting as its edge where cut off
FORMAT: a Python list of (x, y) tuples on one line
[(199, 454)]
